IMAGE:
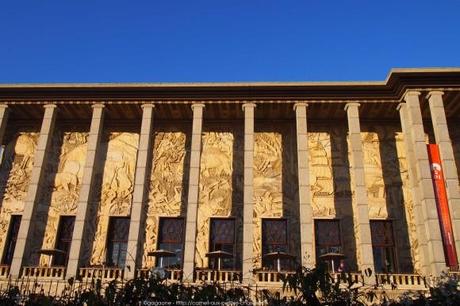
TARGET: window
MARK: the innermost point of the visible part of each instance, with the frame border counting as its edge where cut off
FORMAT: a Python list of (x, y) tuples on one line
[(11, 238), (171, 237), (222, 238), (117, 242), (274, 239), (383, 246), (64, 240), (327, 239)]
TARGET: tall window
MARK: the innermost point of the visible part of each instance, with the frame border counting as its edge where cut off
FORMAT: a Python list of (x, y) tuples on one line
[(64, 240), (171, 238), (274, 239), (117, 241), (223, 239), (11, 238), (383, 246), (327, 238)]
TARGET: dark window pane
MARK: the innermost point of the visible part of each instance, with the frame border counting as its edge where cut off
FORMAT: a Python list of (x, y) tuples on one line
[(117, 241), (64, 240), (12, 236), (222, 239), (327, 240), (383, 246), (171, 235), (274, 239)]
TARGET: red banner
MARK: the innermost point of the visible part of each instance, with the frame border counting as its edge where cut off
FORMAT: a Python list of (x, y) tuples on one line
[(442, 206)]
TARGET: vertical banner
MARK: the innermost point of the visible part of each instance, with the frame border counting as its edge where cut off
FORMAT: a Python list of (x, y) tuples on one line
[(442, 206)]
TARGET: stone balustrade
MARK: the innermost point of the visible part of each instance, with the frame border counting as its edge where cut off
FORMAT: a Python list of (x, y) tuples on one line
[(172, 275), (270, 276), (44, 272), (210, 276), (103, 273), (401, 281)]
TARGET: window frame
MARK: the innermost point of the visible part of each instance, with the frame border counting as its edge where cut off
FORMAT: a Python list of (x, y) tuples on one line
[(394, 247), (108, 260), (182, 243), (8, 241), (210, 247), (316, 232), (58, 236), (266, 263)]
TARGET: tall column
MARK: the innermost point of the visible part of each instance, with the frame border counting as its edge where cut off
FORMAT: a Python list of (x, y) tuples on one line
[(33, 192), (3, 121), (248, 193), (413, 185), (360, 203), (144, 154), (84, 206), (192, 203), (441, 133), (303, 172), (424, 181)]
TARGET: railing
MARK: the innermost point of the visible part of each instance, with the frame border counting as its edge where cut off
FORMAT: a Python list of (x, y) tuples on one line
[(270, 276), (104, 273), (344, 277), (44, 272), (402, 281), (208, 275), (4, 271), (173, 275)]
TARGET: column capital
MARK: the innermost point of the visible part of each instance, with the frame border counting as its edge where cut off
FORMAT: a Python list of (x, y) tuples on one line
[(411, 93), (249, 104), (49, 105), (300, 104), (400, 106), (197, 105), (97, 105), (147, 105), (351, 104), (435, 93)]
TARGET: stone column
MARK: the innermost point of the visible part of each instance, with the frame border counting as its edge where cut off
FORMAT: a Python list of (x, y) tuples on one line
[(248, 193), (144, 154), (424, 182), (303, 172), (360, 201), (82, 219), (33, 192), (193, 184), (3, 120), (413, 185), (449, 168)]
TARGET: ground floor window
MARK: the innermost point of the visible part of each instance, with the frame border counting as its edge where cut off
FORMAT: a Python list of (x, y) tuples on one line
[(274, 239), (11, 238), (222, 238), (171, 238), (64, 240), (117, 241), (383, 246), (328, 241)]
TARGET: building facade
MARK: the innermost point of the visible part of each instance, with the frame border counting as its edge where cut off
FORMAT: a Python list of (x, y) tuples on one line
[(114, 179)]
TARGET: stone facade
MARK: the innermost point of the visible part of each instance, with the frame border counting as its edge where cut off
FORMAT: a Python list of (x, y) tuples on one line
[(209, 159)]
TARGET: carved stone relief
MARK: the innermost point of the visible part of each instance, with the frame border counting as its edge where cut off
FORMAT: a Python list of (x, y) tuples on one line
[(15, 172), (63, 182), (275, 185), (117, 186), (166, 192)]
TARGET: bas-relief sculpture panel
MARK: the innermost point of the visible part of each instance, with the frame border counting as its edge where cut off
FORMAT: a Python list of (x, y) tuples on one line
[(275, 185), (15, 172), (383, 154), (63, 181), (215, 187), (166, 193), (117, 186)]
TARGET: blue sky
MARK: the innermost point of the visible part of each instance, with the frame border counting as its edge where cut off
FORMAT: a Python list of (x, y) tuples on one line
[(215, 41)]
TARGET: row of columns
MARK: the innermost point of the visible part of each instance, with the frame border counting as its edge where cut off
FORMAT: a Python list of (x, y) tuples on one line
[(427, 222)]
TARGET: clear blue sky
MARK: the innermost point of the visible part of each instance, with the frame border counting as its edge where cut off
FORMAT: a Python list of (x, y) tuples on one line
[(204, 40)]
